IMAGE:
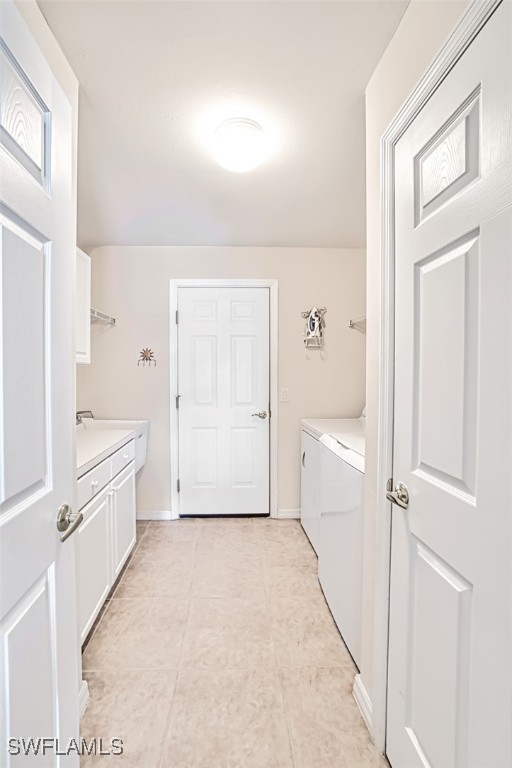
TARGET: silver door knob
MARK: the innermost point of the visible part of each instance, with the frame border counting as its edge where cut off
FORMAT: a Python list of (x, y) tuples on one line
[(68, 521), (400, 496), (260, 414)]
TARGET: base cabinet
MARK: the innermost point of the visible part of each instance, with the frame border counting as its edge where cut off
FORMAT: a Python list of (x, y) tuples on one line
[(104, 541)]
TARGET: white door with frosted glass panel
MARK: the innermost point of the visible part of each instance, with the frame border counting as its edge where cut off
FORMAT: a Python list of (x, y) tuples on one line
[(450, 659), (224, 416), (39, 663)]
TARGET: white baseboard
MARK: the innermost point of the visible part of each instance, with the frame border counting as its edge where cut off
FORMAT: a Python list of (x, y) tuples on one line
[(288, 514), (165, 514), (363, 701), (83, 698)]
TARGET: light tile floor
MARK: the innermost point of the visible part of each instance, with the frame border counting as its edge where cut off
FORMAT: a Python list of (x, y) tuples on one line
[(217, 650)]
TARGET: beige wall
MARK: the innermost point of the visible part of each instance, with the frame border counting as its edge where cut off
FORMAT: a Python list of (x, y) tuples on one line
[(132, 283), (423, 30)]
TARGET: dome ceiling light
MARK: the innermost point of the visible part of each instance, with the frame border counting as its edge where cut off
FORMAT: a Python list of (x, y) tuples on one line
[(240, 144)]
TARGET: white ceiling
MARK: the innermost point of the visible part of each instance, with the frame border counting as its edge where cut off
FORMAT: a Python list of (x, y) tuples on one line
[(157, 78)]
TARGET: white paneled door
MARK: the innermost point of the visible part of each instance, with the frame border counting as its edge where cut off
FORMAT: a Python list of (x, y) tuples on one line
[(450, 659), (38, 630), (224, 413)]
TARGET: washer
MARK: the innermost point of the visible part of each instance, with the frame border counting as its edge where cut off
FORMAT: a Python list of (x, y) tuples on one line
[(340, 550), (311, 451)]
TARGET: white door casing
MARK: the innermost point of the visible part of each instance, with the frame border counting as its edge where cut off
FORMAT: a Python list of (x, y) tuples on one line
[(450, 670), (223, 382), (39, 662), (83, 307)]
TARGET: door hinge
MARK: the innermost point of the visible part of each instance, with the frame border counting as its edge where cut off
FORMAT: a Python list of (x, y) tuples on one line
[(178, 486), (177, 317), (178, 401)]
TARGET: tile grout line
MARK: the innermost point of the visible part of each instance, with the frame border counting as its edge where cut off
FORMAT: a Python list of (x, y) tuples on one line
[(285, 712), (206, 669), (167, 729)]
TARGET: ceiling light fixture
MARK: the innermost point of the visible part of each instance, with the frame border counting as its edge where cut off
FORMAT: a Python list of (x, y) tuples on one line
[(240, 144)]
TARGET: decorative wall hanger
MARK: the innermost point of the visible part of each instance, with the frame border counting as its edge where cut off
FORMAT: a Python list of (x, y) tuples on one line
[(314, 330), (146, 356)]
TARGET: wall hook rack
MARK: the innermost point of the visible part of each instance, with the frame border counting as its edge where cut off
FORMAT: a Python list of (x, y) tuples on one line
[(358, 324)]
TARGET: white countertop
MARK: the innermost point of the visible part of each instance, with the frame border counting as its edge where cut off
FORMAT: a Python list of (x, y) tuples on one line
[(94, 445)]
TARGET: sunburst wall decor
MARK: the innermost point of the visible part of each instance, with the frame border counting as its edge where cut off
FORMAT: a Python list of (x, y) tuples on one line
[(146, 356)]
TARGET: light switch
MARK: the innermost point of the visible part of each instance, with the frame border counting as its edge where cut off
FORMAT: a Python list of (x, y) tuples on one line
[(285, 395)]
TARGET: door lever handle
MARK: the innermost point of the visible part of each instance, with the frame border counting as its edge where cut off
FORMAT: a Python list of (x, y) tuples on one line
[(260, 414), (400, 496), (68, 521)]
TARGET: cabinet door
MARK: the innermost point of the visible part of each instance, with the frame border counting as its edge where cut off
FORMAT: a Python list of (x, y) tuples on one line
[(93, 567), (83, 307), (310, 487), (123, 517)]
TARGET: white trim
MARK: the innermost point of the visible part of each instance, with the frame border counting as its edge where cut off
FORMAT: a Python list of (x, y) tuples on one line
[(83, 698), (164, 514), (470, 25), (175, 285), (363, 701), (288, 514)]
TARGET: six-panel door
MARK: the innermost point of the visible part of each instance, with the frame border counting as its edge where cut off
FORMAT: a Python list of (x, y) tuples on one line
[(450, 670), (39, 664), (223, 372)]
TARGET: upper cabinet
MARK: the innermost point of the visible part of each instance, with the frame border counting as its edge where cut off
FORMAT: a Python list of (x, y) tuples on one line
[(83, 307)]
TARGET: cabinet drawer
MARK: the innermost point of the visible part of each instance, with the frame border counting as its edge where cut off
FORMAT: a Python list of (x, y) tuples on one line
[(122, 457), (92, 482)]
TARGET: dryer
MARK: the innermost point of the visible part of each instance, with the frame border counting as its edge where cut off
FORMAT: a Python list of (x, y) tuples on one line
[(340, 549)]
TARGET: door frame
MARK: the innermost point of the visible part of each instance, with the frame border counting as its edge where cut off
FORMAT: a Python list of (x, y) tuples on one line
[(476, 16), (273, 286)]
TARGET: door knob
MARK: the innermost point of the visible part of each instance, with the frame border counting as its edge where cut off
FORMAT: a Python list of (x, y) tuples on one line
[(399, 496), (260, 414), (68, 521)]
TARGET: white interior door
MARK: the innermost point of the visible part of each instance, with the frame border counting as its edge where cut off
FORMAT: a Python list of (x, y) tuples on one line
[(224, 414), (450, 669), (38, 630)]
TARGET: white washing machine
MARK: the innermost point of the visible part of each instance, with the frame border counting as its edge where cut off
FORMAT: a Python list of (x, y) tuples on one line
[(311, 451), (340, 550)]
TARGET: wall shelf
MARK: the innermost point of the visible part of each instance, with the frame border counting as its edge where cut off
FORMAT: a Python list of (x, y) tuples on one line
[(101, 317)]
